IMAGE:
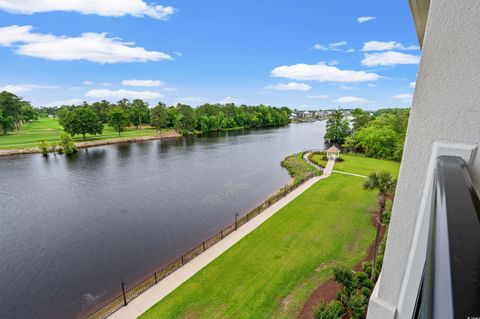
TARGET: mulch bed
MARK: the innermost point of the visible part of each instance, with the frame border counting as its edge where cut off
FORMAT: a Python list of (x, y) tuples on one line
[(328, 290)]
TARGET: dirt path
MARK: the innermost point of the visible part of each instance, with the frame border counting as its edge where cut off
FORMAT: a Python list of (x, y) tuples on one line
[(97, 143), (328, 290)]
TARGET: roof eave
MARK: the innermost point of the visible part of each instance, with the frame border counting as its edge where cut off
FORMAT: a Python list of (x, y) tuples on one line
[(419, 10)]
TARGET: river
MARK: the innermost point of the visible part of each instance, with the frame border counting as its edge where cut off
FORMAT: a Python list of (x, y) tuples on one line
[(72, 228)]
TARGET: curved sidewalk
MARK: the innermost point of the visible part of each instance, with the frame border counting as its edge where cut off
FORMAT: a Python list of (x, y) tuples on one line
[(153, 295)]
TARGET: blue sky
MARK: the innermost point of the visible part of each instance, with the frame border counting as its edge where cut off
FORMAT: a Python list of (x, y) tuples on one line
[(307, 54)]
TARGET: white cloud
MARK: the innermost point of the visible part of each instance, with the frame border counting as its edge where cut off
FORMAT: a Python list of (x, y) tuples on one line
[(338, 44), (412, 84), (334, 46), (22, 88), (117, 8), (87, 82), (106, 84), (178, 53), (320, 96), (365, 19), (345, 87), (372, 85), (407, 97), (228, 99), (65, 102), (389, 58), (94, 47), (292, 86), (350, 99), (386, 46), (122, 94), (144, 83), (322, 73)]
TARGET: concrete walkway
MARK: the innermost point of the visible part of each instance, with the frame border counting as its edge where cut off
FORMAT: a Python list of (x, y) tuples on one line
[(306, 159), (153, 295), (351, 174)]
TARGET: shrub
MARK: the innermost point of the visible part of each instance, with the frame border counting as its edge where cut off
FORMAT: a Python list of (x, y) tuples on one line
[(67, 146), (43, 145), (357, 306), (331, 310)]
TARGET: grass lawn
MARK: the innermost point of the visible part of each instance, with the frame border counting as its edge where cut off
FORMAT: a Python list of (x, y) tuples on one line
[(50, 130), (359, 164), (271, 272)]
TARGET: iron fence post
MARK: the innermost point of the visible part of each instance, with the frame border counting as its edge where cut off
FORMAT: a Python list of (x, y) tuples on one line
[(236, 221), (123, 283), (155, 274)]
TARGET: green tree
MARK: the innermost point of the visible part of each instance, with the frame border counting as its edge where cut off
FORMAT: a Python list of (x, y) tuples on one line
[(185, 121), (11, 107), (385, 184), (360, 119), (139, 113), (118, 119), (6, 123), (101, 109), (337, 128), (82, 120), (159, 116)]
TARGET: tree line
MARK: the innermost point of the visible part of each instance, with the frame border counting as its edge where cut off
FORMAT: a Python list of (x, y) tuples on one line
[(89, 118), (14, 111), (380, 135)]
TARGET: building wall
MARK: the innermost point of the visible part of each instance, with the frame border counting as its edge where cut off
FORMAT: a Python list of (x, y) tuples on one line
[(446, 107)]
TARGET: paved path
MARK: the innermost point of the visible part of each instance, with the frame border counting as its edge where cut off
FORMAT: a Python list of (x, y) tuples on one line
[(306, 159), (351, 174), (153, 295)]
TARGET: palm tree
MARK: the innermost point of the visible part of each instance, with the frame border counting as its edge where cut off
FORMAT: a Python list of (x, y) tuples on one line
[(385, 184)]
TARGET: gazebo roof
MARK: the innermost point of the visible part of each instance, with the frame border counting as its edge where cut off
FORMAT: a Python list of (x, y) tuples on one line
[(333, 149)]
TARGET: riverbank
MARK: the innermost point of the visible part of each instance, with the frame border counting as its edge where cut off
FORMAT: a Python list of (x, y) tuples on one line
[(87, 144)]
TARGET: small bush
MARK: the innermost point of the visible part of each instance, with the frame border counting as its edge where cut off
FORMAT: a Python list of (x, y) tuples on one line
[(340, 159), (68, 147), (43, 145), (331, 310)]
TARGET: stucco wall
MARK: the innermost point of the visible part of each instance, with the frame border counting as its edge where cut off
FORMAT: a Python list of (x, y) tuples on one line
[(446, 107)]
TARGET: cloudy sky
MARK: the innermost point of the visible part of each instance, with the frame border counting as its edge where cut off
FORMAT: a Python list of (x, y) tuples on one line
[(306, 54)]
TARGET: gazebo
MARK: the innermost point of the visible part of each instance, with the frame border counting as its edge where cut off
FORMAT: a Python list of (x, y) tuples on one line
[(333, 152)]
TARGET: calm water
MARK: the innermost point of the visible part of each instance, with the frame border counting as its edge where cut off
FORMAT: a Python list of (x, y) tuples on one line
[(71, 228)]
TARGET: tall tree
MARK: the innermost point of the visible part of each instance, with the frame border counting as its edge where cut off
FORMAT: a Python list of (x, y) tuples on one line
[(6, 123), (11, 106), (185, 120), (337, 128), (139, 113), (385, 184), (159, 116), (101, 109), (360, 119), (118, 119), (82, 120)]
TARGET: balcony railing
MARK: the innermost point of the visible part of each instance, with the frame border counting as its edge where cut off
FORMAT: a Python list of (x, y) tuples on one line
[(451, 279)]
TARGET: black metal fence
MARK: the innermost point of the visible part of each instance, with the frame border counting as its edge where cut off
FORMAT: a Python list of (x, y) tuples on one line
[(134, 291)]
